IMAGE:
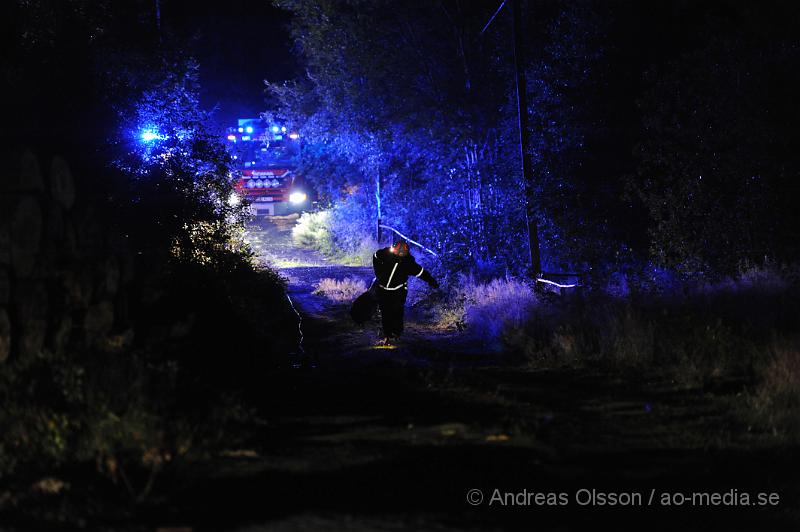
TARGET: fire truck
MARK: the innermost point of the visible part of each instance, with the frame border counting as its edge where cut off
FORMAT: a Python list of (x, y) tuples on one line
[(265, 158)]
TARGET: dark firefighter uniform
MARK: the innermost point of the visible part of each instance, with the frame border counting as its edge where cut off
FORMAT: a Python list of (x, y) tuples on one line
[(393, 266)]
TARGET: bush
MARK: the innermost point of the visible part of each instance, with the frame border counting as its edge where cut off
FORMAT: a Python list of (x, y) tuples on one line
[(312, 231), (204, 338), (353, 233), (339, 239)]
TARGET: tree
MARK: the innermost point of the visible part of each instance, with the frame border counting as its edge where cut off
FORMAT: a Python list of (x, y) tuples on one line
[(412, 95), (715, 158), (178, 169)]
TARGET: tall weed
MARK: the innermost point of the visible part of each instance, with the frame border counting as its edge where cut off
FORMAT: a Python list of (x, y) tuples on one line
[(775, 400), (341, 291), (487, 309)]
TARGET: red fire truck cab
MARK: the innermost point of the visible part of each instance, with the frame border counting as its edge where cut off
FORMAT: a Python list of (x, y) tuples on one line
[(265, 158)]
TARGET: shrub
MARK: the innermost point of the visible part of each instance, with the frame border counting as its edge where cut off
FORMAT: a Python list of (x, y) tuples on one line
[(203, 341), (312, 231), (336, 237), (353, 233)]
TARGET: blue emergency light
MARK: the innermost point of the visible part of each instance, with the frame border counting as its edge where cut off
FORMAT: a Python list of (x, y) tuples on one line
[(149, 135)]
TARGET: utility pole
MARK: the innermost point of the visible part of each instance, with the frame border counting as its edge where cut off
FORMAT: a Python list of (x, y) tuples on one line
[(527, 165), (158, 19), (379, 229)]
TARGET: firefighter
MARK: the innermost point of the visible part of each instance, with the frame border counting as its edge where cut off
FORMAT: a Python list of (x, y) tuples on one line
[(393, 266)]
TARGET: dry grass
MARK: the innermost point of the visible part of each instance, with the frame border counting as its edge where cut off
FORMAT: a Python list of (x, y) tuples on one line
[(776, 399), (341, 291), (487, 309), (493, 307)]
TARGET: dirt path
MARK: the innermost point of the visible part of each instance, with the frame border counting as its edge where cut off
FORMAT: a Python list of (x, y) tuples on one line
[(362, 438)]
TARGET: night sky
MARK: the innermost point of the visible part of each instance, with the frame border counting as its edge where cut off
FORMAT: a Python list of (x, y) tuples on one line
[(239, 43)]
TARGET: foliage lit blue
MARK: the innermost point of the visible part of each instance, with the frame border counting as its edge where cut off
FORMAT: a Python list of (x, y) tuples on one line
[(437, 126)]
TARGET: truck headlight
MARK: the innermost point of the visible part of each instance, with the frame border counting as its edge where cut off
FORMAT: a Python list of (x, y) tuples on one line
[(297, 197)]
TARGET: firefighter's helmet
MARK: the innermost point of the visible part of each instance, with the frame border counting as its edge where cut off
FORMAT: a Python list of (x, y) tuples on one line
[(400, 248)]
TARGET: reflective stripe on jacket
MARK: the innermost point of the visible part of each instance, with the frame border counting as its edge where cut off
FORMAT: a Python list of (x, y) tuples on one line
[(392, 271)]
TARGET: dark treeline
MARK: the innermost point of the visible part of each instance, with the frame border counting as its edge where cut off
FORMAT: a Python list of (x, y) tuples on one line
[(660, 133), (120, 377)]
